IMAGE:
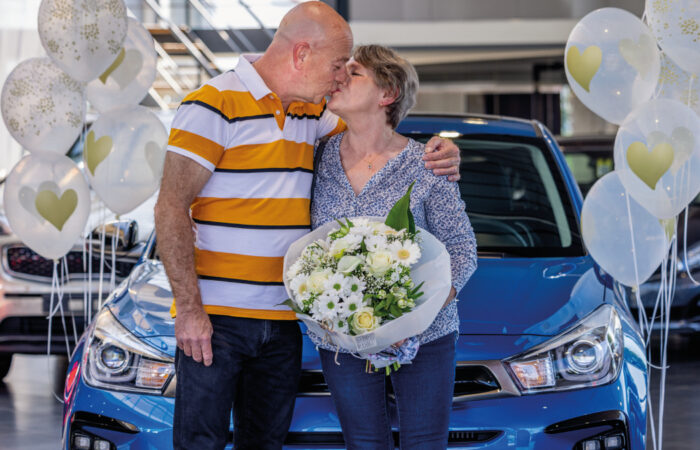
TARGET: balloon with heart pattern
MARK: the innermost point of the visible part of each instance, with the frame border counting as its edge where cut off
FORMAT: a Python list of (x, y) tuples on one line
[(124, 154), (629, 254), (612, 62), (657, 154), (82, 37), (47, 203), (127, 81)]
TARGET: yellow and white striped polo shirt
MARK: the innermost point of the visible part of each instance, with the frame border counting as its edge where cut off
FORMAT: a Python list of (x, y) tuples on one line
[(256, 202)]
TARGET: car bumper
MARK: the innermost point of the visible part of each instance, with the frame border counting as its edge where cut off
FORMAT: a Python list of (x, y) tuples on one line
[(535, 421)]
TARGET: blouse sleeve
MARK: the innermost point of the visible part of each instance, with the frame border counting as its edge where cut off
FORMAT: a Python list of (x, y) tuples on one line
[(447, 220)]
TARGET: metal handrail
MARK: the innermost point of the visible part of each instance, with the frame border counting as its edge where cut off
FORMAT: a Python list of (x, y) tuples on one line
[(182, 37)]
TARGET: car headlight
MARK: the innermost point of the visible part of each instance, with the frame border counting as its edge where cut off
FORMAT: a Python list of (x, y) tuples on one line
[(116, 359), (587, 355)]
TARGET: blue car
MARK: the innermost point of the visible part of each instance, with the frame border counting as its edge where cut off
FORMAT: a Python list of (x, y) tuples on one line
[(549, 356)]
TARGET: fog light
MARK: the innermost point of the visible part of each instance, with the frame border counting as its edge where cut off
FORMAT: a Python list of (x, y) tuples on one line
[(102, 445), (81, 442), (591, 445), (613, 442)]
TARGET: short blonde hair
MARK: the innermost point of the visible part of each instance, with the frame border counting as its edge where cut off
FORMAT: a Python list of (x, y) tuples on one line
[(391, 72)]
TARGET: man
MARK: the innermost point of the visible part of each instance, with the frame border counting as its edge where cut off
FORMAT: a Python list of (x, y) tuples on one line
[(240, 160)]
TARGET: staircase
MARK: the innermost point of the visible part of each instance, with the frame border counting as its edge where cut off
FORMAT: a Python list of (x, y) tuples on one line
[(187, 58)]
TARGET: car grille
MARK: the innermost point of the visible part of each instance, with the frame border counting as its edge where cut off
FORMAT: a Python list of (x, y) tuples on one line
[(23, 263), (470, 380), (336, 438)]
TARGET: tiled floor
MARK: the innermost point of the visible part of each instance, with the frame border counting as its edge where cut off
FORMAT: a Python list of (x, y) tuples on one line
[(30, 415)]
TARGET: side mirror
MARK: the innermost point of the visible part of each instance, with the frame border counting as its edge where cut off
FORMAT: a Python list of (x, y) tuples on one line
[(126, 235)]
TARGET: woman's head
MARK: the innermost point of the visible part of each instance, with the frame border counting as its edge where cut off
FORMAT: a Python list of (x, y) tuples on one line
[(380, 80)]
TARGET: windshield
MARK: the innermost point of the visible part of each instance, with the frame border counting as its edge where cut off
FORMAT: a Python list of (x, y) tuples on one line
[(516, 197)]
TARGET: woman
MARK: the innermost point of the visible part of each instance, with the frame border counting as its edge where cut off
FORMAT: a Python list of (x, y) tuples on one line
[(363, 172)]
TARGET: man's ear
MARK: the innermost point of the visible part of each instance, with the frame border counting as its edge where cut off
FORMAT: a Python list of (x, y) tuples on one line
[(300, 54)]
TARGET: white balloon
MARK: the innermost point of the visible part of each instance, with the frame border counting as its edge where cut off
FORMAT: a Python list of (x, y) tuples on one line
[(612, 62), (127, 81), (676, 24), (43, 107), (657, 154), (82, 37), (605, 223), (677, 84), (123, 155), (47, 202)]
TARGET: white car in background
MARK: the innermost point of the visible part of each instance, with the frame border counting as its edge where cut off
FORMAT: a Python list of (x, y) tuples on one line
[(25, 279)]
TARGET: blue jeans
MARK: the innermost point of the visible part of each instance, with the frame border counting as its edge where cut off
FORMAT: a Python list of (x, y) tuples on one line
[(256, 369), (423, 391)]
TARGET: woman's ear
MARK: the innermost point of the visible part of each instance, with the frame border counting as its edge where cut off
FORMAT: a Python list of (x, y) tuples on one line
[(300, 54), (388, 97)]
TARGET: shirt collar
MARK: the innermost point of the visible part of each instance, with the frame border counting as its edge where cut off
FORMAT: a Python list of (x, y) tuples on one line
[(250, 77)]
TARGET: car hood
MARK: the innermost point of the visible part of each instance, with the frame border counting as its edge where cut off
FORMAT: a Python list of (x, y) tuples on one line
[(505, 296), (142, 304), (539, 296)]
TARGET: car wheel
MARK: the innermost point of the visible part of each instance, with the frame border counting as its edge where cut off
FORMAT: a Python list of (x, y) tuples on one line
[(5, 363)]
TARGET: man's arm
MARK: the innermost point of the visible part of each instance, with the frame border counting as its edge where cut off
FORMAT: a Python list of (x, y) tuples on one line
[(442, 155), (182, 180)]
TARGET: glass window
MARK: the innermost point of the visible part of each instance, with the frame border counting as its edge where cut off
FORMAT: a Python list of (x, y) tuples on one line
[(516, 198)]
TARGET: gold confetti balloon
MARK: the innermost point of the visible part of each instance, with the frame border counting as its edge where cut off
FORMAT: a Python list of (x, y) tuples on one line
[(82, 37)]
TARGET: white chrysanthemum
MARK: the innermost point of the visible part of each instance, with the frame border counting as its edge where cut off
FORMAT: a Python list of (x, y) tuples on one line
[(328, 307), (352, 304), (376, 243), (300, 287), (294, 269), (338, 284), (341, 325), (362, 227), (406, 252), (356, 286)]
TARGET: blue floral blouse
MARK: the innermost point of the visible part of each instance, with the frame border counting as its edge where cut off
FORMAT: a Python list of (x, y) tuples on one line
[(436, 205)]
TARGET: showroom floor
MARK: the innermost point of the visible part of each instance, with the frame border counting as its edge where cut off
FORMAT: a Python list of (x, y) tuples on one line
[(30, 416)]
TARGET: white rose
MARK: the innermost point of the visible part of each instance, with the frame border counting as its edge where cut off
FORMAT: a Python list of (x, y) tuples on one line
[(317, 280), (379, 262), (364, 320), (349, 263)]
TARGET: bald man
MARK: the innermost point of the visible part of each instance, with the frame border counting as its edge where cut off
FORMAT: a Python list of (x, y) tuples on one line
[(239, 167)]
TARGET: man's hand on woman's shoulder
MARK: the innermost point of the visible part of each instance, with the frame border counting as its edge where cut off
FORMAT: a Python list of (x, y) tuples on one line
[(442, 156)]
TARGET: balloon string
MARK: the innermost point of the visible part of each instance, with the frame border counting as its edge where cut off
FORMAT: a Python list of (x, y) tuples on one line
[(72, 316), (643, 323), (112, 282), (102, 263), (690, 87), (685, 248), (54, 294)]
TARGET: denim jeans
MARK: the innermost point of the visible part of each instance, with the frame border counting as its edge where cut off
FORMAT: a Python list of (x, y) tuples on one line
[(423, 391), (255, 370)]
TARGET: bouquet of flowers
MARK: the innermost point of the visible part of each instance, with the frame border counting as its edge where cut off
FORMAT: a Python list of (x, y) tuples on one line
[(366, 283)]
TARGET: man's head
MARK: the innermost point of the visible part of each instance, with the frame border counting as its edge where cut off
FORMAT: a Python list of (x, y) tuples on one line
[(309, 52)]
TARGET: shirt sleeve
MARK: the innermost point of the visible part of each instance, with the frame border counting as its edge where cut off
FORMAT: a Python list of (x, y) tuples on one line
[(199, 129), (448, 221), (329, 125)]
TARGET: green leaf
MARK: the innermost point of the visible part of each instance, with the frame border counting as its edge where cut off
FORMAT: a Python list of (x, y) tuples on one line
[(293, 306), (400, 216), (395, 311)]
